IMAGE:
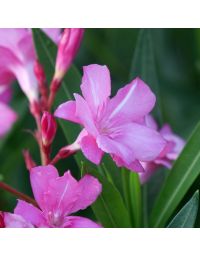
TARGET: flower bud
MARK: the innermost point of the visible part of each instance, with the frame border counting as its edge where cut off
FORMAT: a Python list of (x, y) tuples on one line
[(41, 78), (48, 128), (2, 224), (39, 73), (67, 49), (28, 160)]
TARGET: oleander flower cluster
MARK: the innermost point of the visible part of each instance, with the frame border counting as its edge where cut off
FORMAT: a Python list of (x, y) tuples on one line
[(120, 126)]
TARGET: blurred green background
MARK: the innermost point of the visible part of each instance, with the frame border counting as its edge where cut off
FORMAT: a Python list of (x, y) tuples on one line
[(167, 59)]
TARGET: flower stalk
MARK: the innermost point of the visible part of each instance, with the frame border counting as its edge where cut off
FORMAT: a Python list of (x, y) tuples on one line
[(18, 194)]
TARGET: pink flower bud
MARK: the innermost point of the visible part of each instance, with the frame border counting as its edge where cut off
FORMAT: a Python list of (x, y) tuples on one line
[(2, 224), (28, 160), (39, 72), (48, 126), (41, 78), (67, 49)]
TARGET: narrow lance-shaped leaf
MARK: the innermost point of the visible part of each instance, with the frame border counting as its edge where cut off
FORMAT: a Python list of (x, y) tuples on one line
[(132, 195), (184, 172), (186, 217), (109, 208), (144, 66)]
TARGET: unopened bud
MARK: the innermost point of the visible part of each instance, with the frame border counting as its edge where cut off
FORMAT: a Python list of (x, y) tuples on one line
[(35, 108), (2, 224), (48, 128), (67, 49), (28, 160), (39, 72)]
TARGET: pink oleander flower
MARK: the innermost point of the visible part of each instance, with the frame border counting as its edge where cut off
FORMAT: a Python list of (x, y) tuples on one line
[(48, 128), (67, 49), (57, 198), (171, 152), (17, 57), (113, 125), (7, 115)]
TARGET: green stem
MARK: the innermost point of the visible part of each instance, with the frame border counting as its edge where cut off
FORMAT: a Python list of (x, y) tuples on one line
[(145, 205)]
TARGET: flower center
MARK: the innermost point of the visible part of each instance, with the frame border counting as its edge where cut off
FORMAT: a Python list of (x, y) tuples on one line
[(55, 219)]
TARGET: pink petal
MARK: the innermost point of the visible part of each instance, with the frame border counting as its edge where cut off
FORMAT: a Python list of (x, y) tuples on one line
[(6, 76), (89, 189), (84, 114), (115, 147), (67, 48), (178, 142), (26, 50), (132, 102), (16, 221), (10, 37), (150, 122), (166, 130), (5, 93), (164, 162), (67, 111), (145, 143), (53, 33), (80, 222), (7, 118), (167, 149), (17, 55), (54, 194), (150, 169), (90, 149), (134, 166), (61, 194), (30, 213), (96, 85), (22, 71), (41, 177), (27, 81)]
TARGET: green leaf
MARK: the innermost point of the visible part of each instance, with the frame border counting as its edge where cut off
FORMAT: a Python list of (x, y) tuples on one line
[(186, 217), (144, 66), (109, 208), (136, 198), (132, 195), (184, 172)]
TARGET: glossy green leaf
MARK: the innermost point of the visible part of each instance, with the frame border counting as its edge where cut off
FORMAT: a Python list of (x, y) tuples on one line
[(144, 65), (109, 208), (184, 172), (132, 195), (186, 217)]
